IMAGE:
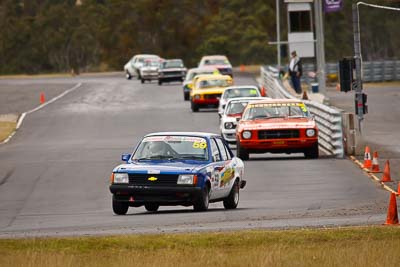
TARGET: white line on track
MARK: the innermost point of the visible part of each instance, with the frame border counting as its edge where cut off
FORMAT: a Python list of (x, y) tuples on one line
[(22, 117)]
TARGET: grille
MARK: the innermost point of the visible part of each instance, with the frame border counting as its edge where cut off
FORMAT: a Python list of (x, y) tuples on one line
[(278, 134), (212, 96), (162, 179), (172, 73)]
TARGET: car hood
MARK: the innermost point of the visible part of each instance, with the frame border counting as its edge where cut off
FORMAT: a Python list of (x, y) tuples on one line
[(153, 167), (279, 123)]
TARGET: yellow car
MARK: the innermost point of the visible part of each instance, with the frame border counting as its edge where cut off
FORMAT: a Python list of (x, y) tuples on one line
[(207, 90), (191, 74)]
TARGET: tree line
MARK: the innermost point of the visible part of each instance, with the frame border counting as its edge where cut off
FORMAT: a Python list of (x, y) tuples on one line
[(94, 35)]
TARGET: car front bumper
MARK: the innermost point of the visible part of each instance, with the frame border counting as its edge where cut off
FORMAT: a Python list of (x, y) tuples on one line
[(278, 146), (139, 195)]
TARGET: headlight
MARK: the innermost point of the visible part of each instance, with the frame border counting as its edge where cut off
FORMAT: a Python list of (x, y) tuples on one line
[(310, 132), (246, 134), (229, 125), (196, 96), (187, 179), (121, 178)]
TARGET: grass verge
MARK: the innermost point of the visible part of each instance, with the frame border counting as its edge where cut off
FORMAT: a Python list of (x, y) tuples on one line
[(364, 246), (6, 128)]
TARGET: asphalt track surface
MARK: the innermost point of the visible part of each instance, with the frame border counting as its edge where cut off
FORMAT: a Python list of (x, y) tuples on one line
[(54, 172)]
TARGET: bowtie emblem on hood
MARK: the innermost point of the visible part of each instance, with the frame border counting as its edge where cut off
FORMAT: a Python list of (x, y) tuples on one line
[(152, 179)]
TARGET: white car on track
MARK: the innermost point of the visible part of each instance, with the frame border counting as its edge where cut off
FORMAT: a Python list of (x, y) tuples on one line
[(232, 114), (235, 92), (132, 68)]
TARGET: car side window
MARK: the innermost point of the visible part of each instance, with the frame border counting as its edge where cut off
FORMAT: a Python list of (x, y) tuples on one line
[(222, 149), (214, 150), (227, 151)]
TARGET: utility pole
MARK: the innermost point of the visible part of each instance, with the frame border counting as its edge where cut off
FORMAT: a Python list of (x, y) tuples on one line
[(319, 30), (278, 34), (357, 83)]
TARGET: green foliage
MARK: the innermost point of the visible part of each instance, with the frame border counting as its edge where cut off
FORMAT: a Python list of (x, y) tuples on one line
[(58, 35)]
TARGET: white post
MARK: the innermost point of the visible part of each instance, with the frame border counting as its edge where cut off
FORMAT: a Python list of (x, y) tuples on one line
[(278, 34), (320, 46)]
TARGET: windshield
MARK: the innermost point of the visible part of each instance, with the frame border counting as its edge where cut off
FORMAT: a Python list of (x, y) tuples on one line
[(276, 110), (172, 147), (216, 62), (172, 64), (151, 64), (236, 107), (213, 83), (240, 92)]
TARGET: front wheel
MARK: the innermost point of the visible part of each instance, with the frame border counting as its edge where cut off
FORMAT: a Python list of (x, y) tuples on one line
[(232, 200), (312, 152), (194, 107), (159, 82), (241, 152), (119, 208), (204, 199), (142, 80), (128, 75), (186, 96), (151, 207)]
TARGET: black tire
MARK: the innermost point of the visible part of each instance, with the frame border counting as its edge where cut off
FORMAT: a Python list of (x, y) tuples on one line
[(151, 207), (202, 202), (312, 152), (119, 208), (159, 82), (194, 107), (232, 200), (241, 152), (128, 75), (142, 80), (186, 96)]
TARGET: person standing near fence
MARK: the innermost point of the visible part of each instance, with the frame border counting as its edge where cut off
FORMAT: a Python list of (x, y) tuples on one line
[(295, 72)]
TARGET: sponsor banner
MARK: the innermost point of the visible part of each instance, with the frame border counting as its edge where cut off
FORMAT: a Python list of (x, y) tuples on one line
[(333, 5)]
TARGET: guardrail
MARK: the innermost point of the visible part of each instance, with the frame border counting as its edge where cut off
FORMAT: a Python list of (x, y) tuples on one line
[(372, 71), (329, 120)]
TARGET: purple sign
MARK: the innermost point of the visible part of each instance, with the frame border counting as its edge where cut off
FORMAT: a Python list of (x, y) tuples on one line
[(332, 5)]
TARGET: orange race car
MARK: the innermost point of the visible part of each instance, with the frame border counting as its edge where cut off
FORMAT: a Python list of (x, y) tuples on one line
[(277, 126)]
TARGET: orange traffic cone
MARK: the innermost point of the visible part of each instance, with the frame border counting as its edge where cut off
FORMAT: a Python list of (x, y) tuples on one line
[(241, 68), (375, 163), (386, 173), (42, 98), (392, 216), (338, 87), (367, 158)]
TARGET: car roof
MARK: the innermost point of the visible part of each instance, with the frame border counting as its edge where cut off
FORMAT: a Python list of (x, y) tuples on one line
[(239, 99), (214, 57), (277, 100), (146, 55), (195, 134), (240, 87), (213, 76)]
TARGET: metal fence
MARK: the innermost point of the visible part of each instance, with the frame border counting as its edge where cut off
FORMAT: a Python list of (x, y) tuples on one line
[(372, 71), (329, 120)]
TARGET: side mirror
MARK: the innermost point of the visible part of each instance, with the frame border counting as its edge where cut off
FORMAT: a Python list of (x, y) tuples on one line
[(238, 119), (126, 157)]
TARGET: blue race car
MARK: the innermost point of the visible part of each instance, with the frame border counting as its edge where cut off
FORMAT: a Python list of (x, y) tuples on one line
[(177, 168)]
